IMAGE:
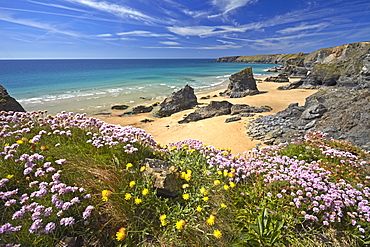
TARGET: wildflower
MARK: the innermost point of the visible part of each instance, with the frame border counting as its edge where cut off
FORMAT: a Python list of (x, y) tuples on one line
[(121, 234), (217, 182), (211, 220), (232, 184), (105, 194), (143, 168), (162, 217), (128, 196), (226, 187), (60, 161), (128, 165), (199, 208), (180, 224), (19, 141), (185, 196), (67, 221), (145, 192), (187, 176), (132, 184), (138, 200), (184, 186), (206, 198), (223, 205), (9, 176), (219, 172), (203, 191), (217, 234)]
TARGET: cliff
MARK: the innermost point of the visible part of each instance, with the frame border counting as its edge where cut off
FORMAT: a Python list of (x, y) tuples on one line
[(8, 103), (273, 58)]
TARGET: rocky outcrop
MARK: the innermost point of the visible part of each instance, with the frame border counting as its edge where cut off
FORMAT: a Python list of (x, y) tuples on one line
[(278, 78), (219, 108), (181, 100), (269, 59), (241, 84), (340, 112), (8, 103)]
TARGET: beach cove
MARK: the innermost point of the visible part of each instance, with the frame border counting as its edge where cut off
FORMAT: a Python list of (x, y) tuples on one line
[(213, 131)]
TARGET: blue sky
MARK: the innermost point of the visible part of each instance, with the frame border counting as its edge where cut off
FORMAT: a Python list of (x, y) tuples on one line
[(177, 28)]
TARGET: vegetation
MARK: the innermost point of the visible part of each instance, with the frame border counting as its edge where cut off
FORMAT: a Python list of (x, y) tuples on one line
[(73, 176)]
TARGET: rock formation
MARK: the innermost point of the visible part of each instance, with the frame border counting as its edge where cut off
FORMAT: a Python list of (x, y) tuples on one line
[(181, 100), (219, 108), (241, 84), (340, 112), (8, 103)]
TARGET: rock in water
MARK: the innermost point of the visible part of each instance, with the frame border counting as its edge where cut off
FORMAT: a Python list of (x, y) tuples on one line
[(181, 100), (8, 103), (241, 84)]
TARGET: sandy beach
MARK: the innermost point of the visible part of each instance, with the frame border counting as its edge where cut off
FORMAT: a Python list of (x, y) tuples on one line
[(213, 131)]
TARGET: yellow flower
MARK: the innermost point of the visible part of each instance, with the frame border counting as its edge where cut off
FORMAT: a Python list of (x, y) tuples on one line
[(9, 176), (230, 175), (173, 148), (219, 172), (143, 168), (199, 208), (203, 191), (205, 198), (186, 196), (138, 200), (217, 234), (19, 141), (187, 175), (226, 187), (211, 220), (184, 186), (106, 193), (232, 184), (145, 192), (128, 165), (217, 182), (182, 175), (162, 217), (24, 139), (223, 205), (121, 235), (128, 196), (180, 224), (132, 184), (164, 222), (226, 173), (6, 144), (104, 199)]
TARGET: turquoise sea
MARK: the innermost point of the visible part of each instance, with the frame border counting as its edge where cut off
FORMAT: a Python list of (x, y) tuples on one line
[(94, 85)]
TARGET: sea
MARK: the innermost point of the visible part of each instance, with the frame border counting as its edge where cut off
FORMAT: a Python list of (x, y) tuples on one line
[(95, 85)]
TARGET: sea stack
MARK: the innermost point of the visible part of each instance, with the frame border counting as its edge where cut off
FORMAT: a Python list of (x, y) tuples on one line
[(8, 103), (241, 84)]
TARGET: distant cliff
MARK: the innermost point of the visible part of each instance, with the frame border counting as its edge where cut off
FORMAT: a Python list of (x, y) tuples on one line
[(8, 103), (273, 58), (344, 66)]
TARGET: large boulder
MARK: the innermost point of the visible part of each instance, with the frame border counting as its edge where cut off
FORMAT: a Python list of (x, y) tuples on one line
[(181, 100), (215, 108), (8, 103), (241, 84)]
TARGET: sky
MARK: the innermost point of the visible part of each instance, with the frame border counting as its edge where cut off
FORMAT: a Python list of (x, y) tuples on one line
[(37, 29)]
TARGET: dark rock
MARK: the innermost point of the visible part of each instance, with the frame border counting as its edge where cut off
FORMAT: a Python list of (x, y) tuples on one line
[(181, 100), (147, 120), (119, 107), (278, 78), (292, 85), (232, 119), (8, 103), (214, 96), (141, 109), (241, 84), (215, 108), (242, 108), (163, 175), (247, 115), (314, 111), (155, 104), (206, 97), (70, 242)]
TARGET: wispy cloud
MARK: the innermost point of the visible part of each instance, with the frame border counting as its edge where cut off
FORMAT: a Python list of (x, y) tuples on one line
[(142, 33), (228, 5), (303, 27), (204, 31), (169, 43)]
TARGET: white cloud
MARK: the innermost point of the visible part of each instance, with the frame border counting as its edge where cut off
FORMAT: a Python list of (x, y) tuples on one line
[(226, 42), (204, 31), (302, 27), (169, 43), (104, 35), (143, 34), (229, 5)]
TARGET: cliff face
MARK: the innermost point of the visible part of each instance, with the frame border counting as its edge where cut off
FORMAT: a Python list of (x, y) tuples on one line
[(273, 58), (8, 103), (344, 66)]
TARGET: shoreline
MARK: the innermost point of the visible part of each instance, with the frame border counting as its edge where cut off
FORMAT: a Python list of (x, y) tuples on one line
[(213, 131)]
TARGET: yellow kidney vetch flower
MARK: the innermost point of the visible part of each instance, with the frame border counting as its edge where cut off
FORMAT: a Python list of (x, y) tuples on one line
[(137, 201), (144, 192), (19, 141), (223, 205), (180, 224), (105, 194), (226, 187), (143, 168), (199, 208), (217, 233), (211, 220), (128, 165), (232, 184), (163, 219), (121, 234), (132, 184), (206, 198), (9, 176), (186, 196), (217, 182), (203, 191), (128, 196)]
